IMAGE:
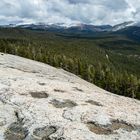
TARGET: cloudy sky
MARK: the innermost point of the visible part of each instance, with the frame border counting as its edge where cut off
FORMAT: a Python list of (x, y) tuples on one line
[(69, 11)]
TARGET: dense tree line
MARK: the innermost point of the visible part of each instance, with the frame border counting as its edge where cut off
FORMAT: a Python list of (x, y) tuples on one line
[(103, 75)]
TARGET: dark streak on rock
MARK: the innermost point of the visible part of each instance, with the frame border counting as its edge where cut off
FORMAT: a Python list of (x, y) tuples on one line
[(78, 89), (41, 84), (23, 70), (19, 119), (39, 94), (58, 90), (94, 103)]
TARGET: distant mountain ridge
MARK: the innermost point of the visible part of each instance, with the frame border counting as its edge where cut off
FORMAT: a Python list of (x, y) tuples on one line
[(129, 29), (81, 26)]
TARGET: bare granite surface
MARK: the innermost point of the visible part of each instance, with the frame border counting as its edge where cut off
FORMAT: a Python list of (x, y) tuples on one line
[(39, 102)]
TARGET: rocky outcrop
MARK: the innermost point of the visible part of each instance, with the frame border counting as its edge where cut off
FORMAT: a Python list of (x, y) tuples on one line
[(39, 102)]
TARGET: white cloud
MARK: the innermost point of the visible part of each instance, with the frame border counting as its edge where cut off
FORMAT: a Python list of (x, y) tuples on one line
[(69, 11)]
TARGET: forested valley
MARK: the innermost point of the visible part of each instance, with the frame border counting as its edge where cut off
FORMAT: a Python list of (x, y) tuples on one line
[(91, 59)]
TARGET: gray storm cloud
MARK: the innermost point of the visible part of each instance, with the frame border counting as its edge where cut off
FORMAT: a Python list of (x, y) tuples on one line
[(69, 11)]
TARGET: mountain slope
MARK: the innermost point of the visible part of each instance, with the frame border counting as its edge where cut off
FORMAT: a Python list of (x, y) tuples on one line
[(38, 101)]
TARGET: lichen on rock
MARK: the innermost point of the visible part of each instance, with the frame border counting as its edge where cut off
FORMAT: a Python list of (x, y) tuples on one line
[(16, 131)]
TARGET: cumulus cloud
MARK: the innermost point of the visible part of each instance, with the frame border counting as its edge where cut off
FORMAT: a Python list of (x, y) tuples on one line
[(69, 11)]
